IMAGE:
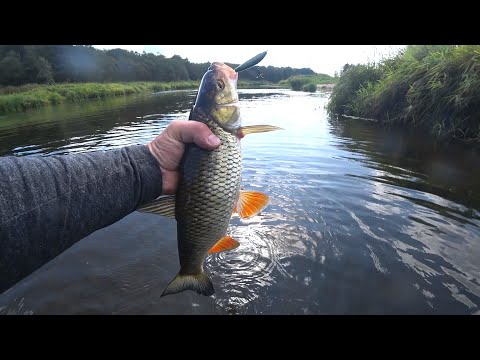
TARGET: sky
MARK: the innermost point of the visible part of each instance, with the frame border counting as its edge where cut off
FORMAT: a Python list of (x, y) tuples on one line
[(326, 59)]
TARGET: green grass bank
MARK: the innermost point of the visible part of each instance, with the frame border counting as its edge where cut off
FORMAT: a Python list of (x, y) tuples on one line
[(29, 96), (21, 98), (435, 88)]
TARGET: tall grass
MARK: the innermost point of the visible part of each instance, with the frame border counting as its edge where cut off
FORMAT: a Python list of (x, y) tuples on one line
[(29, 96), (433, 88)]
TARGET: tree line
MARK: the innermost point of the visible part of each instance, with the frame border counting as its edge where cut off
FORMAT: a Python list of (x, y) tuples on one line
[(48, 64)]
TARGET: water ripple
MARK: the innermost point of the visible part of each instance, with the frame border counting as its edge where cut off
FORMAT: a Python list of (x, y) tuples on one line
[(361, 220)]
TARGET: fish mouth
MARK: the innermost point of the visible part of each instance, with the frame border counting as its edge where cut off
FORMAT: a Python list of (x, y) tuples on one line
[(218, 67)]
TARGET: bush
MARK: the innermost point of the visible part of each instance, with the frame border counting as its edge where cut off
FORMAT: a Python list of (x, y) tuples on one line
[(310, 88), (352, 80)]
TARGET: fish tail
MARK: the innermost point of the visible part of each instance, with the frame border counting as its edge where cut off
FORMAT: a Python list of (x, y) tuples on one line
[(196, 282)]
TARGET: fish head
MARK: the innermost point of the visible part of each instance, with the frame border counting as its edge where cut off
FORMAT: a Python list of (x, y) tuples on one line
[(218, 97)]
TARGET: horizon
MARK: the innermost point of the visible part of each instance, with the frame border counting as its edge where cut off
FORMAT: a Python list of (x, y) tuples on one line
[(322, 59)]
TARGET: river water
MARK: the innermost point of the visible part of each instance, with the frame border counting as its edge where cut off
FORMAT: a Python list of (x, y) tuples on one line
[(362, 220)]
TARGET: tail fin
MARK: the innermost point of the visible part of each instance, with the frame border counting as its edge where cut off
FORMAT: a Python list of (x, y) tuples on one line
[(198, 282)]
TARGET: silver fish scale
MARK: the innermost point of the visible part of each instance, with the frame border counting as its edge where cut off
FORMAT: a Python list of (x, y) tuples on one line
[(206, 195)]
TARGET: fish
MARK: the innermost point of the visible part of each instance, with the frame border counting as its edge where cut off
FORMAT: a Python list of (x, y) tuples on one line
[(209, 191)]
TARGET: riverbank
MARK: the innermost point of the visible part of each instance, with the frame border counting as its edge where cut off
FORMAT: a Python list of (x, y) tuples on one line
[(259, 85), (310, 83), (30, 96), (434, 88), (21, 98)]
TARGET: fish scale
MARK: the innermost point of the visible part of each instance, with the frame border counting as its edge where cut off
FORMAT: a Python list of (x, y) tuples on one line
[(209, 184), (210, 181)]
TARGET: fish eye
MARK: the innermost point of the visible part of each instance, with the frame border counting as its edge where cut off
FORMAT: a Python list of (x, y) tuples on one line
[(220, 84)]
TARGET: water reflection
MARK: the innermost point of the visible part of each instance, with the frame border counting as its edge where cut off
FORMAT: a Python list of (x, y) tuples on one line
[(361, 220), (424, 203), (91, 125)]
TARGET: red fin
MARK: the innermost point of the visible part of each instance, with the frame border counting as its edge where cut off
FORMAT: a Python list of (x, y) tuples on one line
[(250, 203), (224, 244)]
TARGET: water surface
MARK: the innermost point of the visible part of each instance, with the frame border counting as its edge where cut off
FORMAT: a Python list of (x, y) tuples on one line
[(362, 220)]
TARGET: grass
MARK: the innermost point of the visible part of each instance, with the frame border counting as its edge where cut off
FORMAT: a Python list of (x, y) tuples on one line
[(29, 96), (433, 88), (243, 84), (21, 98), (307, 82)]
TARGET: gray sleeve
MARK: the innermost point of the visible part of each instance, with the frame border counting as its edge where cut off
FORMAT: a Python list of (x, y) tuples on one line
[(49, 203)]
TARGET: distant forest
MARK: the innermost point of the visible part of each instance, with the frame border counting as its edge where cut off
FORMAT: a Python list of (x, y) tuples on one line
[(48, 64)]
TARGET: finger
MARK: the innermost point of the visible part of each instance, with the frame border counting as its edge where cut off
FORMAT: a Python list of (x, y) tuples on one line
[(193, 132)]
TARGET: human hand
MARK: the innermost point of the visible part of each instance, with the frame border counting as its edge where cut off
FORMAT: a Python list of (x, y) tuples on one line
[(168, 148)]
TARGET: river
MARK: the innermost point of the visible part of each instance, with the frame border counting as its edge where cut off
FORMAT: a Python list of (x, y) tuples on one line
[(362, 220)]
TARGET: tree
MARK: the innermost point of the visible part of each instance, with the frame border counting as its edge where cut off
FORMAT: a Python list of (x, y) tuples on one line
[(44, 71), (11, 69), (345, 68), (20, 64)]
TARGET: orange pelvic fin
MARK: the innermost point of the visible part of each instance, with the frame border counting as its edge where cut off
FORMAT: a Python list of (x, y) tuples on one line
[(250, 203), (224, 244)]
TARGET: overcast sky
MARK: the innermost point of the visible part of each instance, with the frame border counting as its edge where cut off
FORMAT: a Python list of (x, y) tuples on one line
[(320, 58)]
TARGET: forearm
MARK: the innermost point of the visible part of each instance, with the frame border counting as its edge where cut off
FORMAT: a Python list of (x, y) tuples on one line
[(49, 203)]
